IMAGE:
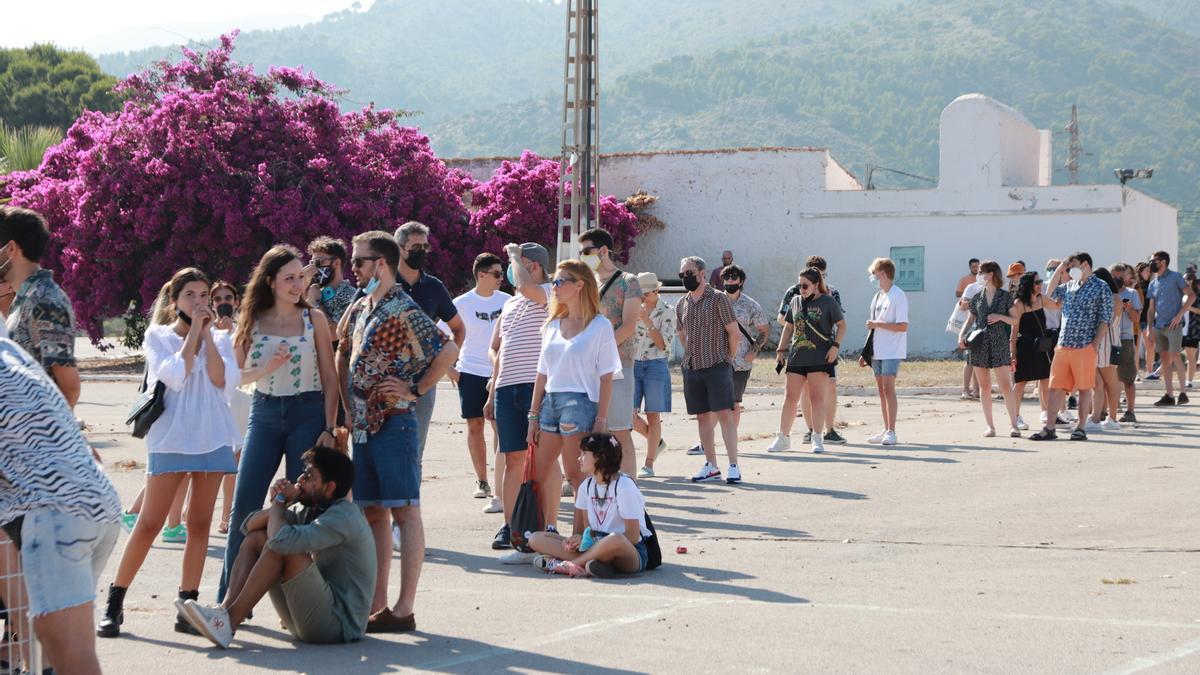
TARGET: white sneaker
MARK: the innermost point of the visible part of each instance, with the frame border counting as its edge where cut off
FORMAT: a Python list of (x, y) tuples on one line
[(515, 557), (889, 438), (1091, 426), (877, 438), (212, 622), (395, 537), (1021, 424), (1110, 425), (493, 506), (818, 444), (780, 443), (695, 450), (482, 490), (707, 472), (734, 474)]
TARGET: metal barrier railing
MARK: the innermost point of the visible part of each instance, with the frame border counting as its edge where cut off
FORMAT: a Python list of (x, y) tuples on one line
[(19, 648)]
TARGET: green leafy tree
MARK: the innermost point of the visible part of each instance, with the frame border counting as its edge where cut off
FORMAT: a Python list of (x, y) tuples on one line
[(46, 86)]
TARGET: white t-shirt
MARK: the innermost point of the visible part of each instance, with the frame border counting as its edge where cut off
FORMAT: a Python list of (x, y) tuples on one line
[(609, 506), (890, 307), (479, 314), (578, 364)]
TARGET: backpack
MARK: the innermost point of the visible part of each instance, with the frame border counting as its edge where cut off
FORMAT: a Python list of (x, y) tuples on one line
[(653, 549)]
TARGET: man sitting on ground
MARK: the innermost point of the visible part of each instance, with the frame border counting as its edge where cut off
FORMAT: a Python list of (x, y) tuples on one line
[(317, 560)]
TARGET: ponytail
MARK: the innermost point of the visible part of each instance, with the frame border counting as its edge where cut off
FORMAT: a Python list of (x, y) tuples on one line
[(162, 313)]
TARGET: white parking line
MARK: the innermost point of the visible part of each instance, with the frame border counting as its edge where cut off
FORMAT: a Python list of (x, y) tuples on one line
[(1146, 662)]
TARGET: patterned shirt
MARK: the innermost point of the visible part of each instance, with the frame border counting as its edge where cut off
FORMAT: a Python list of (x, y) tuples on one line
[(45, 463), (339, 302), (663, 318), (1166, 290), (42, 321), (703, 324), (612, 306), (794, 290), (395, 338), (521, 323), (750, 316), (1086, 305)]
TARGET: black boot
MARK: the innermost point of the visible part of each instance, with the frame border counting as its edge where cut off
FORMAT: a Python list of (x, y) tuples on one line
[(182, 625), (114, 613)]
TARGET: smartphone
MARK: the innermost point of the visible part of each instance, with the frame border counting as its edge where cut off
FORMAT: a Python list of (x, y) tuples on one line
[(224, 310), (779, 367)]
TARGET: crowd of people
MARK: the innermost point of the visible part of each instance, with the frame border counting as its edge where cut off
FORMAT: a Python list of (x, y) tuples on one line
[(334, 380)]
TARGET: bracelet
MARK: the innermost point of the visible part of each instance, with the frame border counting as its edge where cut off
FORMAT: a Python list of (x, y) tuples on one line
[(533, 417)]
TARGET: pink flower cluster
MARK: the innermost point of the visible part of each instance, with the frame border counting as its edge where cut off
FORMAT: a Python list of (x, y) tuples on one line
[(519, 203), (209, 164)]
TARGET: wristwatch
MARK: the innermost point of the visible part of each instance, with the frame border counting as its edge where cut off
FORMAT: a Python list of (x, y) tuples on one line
[(281, 499)]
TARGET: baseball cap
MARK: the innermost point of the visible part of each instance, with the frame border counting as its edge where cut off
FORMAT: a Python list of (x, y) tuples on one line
[(537, 253)]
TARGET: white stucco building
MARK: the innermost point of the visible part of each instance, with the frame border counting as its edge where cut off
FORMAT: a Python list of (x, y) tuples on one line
[(776, 206)]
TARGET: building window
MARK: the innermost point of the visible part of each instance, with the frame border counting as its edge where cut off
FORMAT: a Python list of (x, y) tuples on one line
[(910, 267)]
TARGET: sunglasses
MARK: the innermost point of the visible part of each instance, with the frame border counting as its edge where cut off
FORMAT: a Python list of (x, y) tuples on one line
[(419, 247), (565, 280), (805, 287), (1037, 282), (587, 250), (357, 262), (306, 476), (685, 275), (495, 273)]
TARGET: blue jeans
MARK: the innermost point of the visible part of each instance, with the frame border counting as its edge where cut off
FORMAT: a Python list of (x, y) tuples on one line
[(281, 427), (387, 468)]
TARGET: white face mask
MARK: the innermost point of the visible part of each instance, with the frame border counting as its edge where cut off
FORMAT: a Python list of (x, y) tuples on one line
[(1076, 273), (981, 279), (591, 260)]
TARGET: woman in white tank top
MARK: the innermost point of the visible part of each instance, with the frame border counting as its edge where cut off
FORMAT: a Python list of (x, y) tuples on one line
[(285, 350)]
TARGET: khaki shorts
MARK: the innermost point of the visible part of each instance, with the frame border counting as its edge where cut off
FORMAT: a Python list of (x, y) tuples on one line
[(1127, 365), (1168, 340), (1073, 369), (305, 605)]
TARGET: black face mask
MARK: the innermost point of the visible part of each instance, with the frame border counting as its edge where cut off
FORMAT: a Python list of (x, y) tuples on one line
[(732, 288), (415, 259), (184, 315), (324, 275), (691, 282)]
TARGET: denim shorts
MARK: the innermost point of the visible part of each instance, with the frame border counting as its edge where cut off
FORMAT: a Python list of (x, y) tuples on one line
[(472, 394), (643, 555), (63, 556), (512, 424), (885, 367), (220, 460), (652, 386), (567, 413), (621, 403), (387, 468)]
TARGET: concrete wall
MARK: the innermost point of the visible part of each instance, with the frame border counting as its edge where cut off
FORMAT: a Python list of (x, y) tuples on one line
[(984, 143)]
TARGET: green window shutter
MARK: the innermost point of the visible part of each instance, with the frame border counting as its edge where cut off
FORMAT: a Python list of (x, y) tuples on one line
[(910, 267)]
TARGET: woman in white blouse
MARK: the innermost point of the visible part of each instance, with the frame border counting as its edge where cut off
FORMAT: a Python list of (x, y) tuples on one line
[(575, 373), (194, 435)]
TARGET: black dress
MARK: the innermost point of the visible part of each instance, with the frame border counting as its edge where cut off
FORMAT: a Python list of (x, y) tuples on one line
[(993, 353), (1032, 365)]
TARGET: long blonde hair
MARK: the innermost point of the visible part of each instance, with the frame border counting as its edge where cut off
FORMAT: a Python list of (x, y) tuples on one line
[(589, 295), (163, 311)]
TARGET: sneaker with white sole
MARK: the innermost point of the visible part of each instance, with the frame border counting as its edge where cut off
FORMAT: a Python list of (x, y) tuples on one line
[(696, 450), (877, 438), (645, 472), (128, 520), (517, 557), (493, 505), (395, 537), (545, 563), (567, 490), (818, 444), (780, 443), (707, 472), (1021, 424), (733, 475), (889, 438), (212, 622), (1091, 426), (482, 490), (1042, 417), (1110, 425)]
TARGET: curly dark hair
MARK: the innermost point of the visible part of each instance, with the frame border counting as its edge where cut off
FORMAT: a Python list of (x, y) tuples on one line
[(607, 451)]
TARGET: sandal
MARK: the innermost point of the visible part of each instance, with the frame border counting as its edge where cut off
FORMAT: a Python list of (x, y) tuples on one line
[(223, 528), (570, 569), (1044, 435), (1079, 435)]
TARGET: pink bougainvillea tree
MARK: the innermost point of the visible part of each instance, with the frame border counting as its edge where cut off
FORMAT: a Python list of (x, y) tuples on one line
[(209, 164), (519, 202)]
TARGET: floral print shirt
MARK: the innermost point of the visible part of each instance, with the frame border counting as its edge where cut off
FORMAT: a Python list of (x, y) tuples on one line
[(42, 321), (663, 318)]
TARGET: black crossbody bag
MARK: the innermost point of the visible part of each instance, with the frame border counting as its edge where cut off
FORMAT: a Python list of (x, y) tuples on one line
[(147, 408)]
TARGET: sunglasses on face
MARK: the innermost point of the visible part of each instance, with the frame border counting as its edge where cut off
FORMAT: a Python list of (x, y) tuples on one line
[(805, 287), (565, 280), (587, 250), (495, 273), (685, 275), (419, 247), (322, 262), (306, 476), (357, 262)]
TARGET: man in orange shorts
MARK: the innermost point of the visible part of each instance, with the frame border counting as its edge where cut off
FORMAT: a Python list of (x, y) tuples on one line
[(1087, 308)]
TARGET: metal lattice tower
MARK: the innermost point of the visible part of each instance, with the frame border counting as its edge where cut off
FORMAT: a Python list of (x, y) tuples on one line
[(579, 169), (1075, 149)]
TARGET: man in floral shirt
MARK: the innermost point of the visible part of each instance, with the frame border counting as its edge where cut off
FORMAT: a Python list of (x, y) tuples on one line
[(1087, 309), (40, 317), (396, 354)]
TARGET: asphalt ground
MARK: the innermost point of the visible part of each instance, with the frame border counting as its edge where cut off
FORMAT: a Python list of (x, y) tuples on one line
[(948, 553)]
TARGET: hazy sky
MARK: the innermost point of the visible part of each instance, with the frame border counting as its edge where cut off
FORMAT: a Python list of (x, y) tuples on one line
[(118, 25)]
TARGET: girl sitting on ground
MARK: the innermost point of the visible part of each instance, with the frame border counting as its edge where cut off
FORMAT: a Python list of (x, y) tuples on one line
[(610, 519)]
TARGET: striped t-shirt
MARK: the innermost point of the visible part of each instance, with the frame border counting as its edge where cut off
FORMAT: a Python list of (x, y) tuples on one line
[(45, 464), (521, 324)]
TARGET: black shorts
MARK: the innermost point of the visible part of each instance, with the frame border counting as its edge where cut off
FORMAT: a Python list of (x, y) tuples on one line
[(1191, 343), (472, 394), (709, 389), (827, 368), (740, 379)]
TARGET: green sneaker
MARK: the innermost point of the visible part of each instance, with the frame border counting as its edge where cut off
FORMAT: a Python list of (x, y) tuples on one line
[(645, 472), (128, 520), (175, 535)]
